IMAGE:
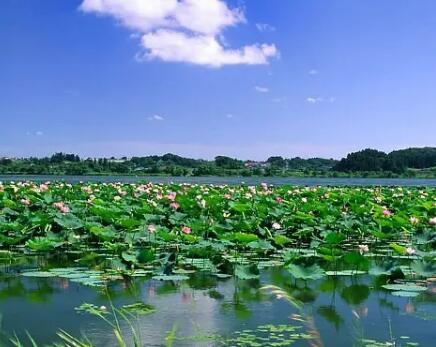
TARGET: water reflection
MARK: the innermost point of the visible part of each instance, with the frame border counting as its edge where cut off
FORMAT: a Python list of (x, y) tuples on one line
[(340, 309)]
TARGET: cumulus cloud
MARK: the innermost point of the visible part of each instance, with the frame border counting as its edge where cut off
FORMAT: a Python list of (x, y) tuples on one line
[(313, 72), (188, 31), (156, 117), (261, 89), (174, 46)]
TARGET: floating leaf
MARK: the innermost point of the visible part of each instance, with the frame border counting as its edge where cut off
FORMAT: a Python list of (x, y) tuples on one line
[(345, 273), (246, 272), (42, 274), (405, 294), (313, 272), (405, 287), (139, 308), (170, 278)]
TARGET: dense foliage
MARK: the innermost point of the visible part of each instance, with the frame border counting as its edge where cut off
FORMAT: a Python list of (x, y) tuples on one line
[(419, 162), (126, 219), (396, 161), (168, 164)]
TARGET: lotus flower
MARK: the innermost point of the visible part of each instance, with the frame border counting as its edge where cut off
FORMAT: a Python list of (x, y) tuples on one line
[(387, 213), (276, 226), (61, 207), (414, 220), (410, 251), (186, 230), (174, 205), (172, 196), (25, 202), (363, 249)]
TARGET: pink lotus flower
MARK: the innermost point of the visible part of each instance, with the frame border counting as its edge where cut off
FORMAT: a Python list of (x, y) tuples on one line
[(227, 196), (410, 251), (279, 199), (186, 230), (61, 207), (264, 186), (65, 209), (87, 190), (25, 202), (387, 213), (151, 228), (174, 205), (432, 221), (43, 187), (172, 196)]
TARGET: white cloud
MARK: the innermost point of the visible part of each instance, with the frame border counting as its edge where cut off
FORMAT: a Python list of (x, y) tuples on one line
[(262, 27), (313, 72), (183, 30), (156, 117), (175, 46), (261, 89), (39, 133), (314, 100), (229, 115), (318, 99)]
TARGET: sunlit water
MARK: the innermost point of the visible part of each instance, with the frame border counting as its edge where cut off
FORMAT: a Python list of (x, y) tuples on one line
[(300, 181), (344, 309)]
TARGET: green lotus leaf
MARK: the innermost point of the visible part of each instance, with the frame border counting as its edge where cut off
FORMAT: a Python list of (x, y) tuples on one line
[(313, 272)]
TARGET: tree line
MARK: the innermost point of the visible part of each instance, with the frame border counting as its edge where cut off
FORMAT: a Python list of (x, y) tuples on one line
[(398, 161), (362, 163)]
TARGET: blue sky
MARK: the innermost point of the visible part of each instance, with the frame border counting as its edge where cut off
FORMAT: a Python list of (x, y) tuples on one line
[(202, 78)]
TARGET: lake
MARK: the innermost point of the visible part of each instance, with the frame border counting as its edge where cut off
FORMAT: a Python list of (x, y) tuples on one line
[(194, 266), (209, 311), (300, 181)]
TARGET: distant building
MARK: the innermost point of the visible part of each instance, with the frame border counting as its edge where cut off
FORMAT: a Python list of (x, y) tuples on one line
[(255, 164)]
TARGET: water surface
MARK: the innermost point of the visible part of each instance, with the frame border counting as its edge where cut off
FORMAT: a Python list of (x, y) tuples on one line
[(295, 181), (343, 310)]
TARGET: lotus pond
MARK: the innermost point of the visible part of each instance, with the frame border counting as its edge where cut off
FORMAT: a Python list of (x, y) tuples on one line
[(203, 265)]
